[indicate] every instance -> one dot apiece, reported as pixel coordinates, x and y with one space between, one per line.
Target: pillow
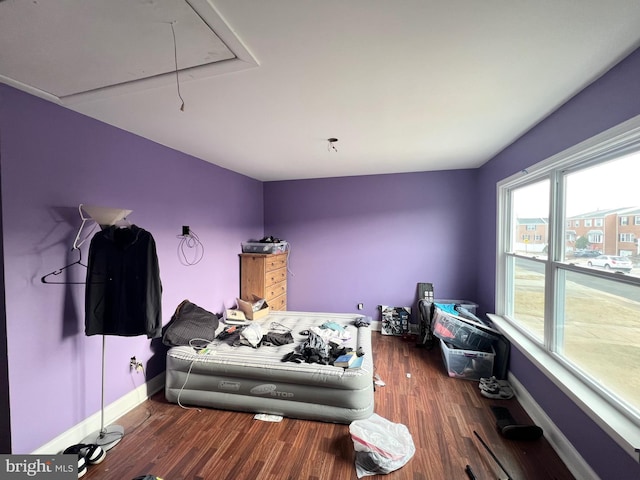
190 322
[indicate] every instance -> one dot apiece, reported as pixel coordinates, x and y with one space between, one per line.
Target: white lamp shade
105 216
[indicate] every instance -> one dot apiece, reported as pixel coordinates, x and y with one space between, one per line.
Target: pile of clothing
324 344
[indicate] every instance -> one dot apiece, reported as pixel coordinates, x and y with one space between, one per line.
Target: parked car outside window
611 262
587 253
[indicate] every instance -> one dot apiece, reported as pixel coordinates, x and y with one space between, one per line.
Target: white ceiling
405 85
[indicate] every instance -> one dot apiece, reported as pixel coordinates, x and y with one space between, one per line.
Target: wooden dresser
264 275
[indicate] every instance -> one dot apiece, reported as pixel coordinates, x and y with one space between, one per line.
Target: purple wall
53 159
607 102
372 239
357 239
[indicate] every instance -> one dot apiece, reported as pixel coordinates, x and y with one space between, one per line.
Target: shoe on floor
509 428
488 383
497 392
88 454
522 432
82 462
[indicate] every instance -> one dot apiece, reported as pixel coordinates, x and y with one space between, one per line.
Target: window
576 223
636 220
587 223
531 227
558 302
594 237
624 220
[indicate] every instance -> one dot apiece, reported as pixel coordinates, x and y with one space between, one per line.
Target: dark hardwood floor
440 412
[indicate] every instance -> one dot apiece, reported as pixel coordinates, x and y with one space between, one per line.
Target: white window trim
621 139
615 424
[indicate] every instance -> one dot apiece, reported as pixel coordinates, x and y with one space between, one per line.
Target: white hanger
77 245
103 216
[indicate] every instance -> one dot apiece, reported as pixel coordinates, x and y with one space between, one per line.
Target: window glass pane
599 332
600 201
528 296
530 207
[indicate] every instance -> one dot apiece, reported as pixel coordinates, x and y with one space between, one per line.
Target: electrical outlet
360 306
134 364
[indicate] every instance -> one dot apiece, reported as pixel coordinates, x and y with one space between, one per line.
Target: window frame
621 424
627 237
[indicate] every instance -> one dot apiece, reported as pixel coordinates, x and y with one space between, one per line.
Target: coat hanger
77 243
102 216
55 273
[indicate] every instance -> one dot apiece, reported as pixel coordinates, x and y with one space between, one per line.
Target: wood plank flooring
440 412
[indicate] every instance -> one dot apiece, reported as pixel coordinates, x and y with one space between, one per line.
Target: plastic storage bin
472 307
467 364
261 247
460 333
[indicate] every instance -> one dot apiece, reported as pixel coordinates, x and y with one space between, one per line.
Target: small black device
270 239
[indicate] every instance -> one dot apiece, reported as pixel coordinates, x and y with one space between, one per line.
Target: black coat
123 292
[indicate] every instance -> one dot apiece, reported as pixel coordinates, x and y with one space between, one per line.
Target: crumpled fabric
331 336
275 339
362 322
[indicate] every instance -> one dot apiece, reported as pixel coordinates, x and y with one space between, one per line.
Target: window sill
622 430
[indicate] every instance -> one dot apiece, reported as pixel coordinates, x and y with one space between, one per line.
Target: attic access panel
71 47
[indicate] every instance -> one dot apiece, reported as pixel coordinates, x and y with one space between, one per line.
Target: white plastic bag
381 446
251 335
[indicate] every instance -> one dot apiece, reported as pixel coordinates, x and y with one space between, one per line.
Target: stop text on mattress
271 390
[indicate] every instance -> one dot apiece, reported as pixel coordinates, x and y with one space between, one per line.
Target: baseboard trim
112 412
565 450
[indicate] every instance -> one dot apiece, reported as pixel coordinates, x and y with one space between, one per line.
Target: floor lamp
109 436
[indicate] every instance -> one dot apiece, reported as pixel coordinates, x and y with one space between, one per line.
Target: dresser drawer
276 276
275 262
278 303
275 290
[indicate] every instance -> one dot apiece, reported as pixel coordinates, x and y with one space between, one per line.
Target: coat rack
107 437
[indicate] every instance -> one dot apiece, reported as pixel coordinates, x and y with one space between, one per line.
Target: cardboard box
233 314
247 308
